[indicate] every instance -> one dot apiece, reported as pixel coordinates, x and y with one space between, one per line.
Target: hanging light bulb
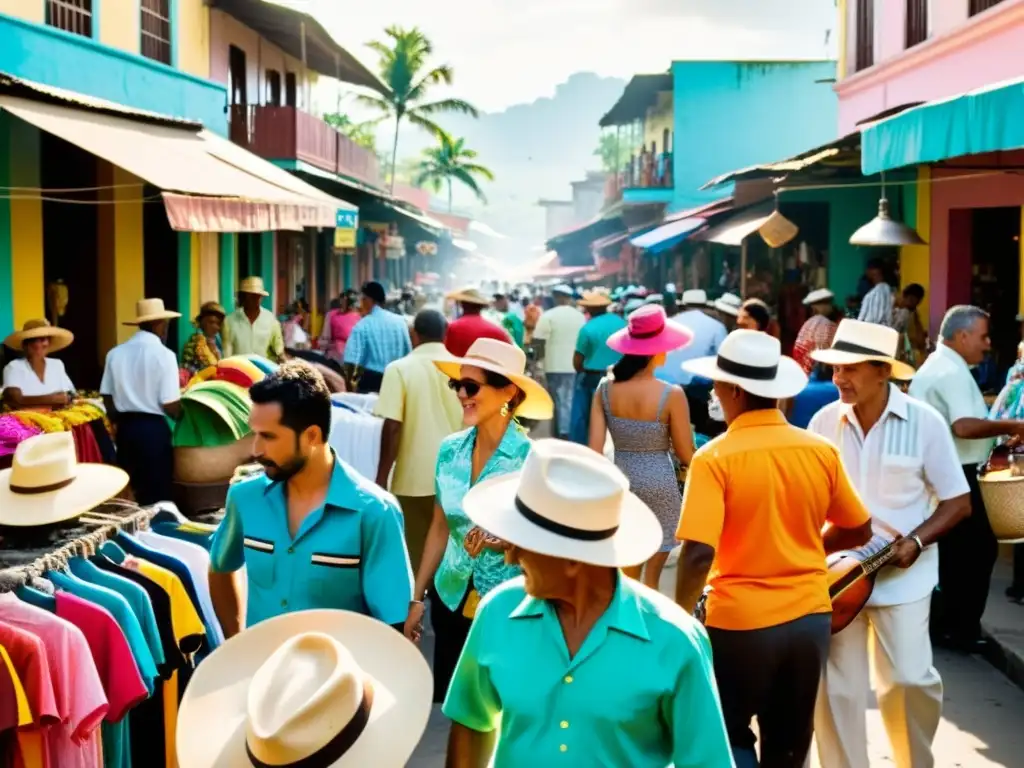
884 229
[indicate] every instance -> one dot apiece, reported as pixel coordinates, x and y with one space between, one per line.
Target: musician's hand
905 552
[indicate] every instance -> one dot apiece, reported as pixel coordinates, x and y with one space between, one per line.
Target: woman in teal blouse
462 563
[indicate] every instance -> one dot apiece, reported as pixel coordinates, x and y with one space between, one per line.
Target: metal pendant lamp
884 230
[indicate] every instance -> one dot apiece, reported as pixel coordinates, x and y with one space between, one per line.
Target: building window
156 30
291 90
865 53
74 16
917 22
977 6
273 88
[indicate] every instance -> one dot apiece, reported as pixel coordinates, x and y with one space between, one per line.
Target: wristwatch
917 540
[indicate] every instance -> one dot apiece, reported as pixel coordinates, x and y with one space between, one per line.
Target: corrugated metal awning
735 229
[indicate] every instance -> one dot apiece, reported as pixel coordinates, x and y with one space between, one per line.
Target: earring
504 410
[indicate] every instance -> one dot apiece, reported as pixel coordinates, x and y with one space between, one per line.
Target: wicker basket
1003 495
211 465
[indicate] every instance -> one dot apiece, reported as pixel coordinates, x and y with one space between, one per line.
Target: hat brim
788 382
900 370
167 315
491 505
93 485
812 299
673 336
537 403
255 293
729 309
60 338
594 303
211 730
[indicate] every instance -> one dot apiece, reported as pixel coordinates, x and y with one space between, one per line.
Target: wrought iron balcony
286 133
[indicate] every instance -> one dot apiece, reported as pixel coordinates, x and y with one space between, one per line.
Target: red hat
650 333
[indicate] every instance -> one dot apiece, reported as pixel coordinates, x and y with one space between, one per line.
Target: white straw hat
469 296
327 688
818 296
45 483
151 310
40 329
729 303
753 361
253 285
570 502
509 361
859 342
695 297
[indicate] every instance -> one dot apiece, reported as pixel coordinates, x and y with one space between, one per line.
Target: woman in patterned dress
462 563
203 347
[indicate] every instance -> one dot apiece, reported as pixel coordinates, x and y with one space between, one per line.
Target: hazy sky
511 51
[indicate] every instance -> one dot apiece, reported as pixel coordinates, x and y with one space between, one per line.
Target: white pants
907 685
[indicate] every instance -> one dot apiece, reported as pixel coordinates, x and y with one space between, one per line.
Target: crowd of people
676 422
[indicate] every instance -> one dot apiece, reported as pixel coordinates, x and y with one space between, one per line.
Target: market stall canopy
844 152
639 94
667 235
989 119
208 185
737 228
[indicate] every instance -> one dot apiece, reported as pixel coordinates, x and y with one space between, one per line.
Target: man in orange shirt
764 503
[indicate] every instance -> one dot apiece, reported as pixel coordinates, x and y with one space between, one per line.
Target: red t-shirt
467 329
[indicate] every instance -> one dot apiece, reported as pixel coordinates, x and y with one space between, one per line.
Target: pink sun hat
650 333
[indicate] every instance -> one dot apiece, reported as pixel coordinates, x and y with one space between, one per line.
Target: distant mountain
535 151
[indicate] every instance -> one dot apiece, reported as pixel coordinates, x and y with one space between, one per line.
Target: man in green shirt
592 360
576 664
509 321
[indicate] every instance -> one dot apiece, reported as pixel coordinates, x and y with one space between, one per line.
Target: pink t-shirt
81 702
118 671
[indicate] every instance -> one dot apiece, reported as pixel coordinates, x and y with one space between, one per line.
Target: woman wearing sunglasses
461 563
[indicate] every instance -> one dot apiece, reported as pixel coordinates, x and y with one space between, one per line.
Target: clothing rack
104 526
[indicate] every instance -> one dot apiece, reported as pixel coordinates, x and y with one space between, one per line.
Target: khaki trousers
892 642
418 511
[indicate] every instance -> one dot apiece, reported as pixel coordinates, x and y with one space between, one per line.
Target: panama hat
695 297
324 687
753 361
594 299
469 296
819 296
253 285
509 361
40 329
729 303
649 332
151 310
859 342
45 483
570 502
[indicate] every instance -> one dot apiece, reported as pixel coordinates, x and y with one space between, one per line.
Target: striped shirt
381 337
815 334
877 305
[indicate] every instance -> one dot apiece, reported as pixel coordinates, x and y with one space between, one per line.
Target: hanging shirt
20 375
141 375
28 657
355 438
263 337
14 709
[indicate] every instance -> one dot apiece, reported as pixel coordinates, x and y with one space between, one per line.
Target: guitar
851 577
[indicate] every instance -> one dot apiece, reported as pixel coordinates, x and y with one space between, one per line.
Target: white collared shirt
18 374
945 382
902 468
240 336
141 375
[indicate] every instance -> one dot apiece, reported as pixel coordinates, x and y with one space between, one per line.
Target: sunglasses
470 387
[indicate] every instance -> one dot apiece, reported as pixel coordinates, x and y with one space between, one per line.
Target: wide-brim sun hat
649 332
753 361
253 285
729 303
509 361
569 502
45 483
594 299
151 310
818 296
60 338
322 687
469 296
858 342
695 297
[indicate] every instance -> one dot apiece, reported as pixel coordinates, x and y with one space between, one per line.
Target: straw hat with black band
753 361
40 329
859 342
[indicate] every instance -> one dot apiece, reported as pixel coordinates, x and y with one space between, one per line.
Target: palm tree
451 161
404 68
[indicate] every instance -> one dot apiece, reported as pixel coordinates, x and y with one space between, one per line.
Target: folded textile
12 432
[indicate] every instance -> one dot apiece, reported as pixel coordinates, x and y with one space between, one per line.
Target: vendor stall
84 419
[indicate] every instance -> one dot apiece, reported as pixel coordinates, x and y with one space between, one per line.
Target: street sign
345 225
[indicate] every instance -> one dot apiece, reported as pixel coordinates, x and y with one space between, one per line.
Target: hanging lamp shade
884 230
777 230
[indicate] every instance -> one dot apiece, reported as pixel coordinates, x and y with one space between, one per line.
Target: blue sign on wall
347 219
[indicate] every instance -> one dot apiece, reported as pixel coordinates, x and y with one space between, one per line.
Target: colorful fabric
213 413
13 431
198 352
817 333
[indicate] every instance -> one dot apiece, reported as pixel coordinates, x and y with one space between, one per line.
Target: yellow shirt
31 750
416 394
760 495
24 710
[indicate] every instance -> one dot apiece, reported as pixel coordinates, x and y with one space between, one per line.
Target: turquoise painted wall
730 115
266 266
53 57
228 279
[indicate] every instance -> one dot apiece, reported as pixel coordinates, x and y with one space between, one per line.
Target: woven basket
211 464
778 230
1003 495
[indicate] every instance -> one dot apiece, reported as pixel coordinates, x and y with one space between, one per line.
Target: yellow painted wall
120 25
915 260
26 225
194 40
29 10
120 265
659 117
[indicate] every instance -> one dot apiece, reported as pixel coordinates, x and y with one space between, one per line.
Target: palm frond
376 102
423 122
447 105
470 182
479 170
437 76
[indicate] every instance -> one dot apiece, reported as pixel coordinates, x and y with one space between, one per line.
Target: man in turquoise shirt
311 531
575 664
592 360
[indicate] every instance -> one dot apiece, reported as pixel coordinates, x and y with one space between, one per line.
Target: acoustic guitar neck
877 552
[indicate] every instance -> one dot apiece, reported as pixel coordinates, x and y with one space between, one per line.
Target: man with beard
311 532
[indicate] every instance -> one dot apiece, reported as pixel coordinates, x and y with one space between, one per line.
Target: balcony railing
285 133
641 171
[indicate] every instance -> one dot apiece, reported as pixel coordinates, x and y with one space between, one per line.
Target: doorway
995 285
